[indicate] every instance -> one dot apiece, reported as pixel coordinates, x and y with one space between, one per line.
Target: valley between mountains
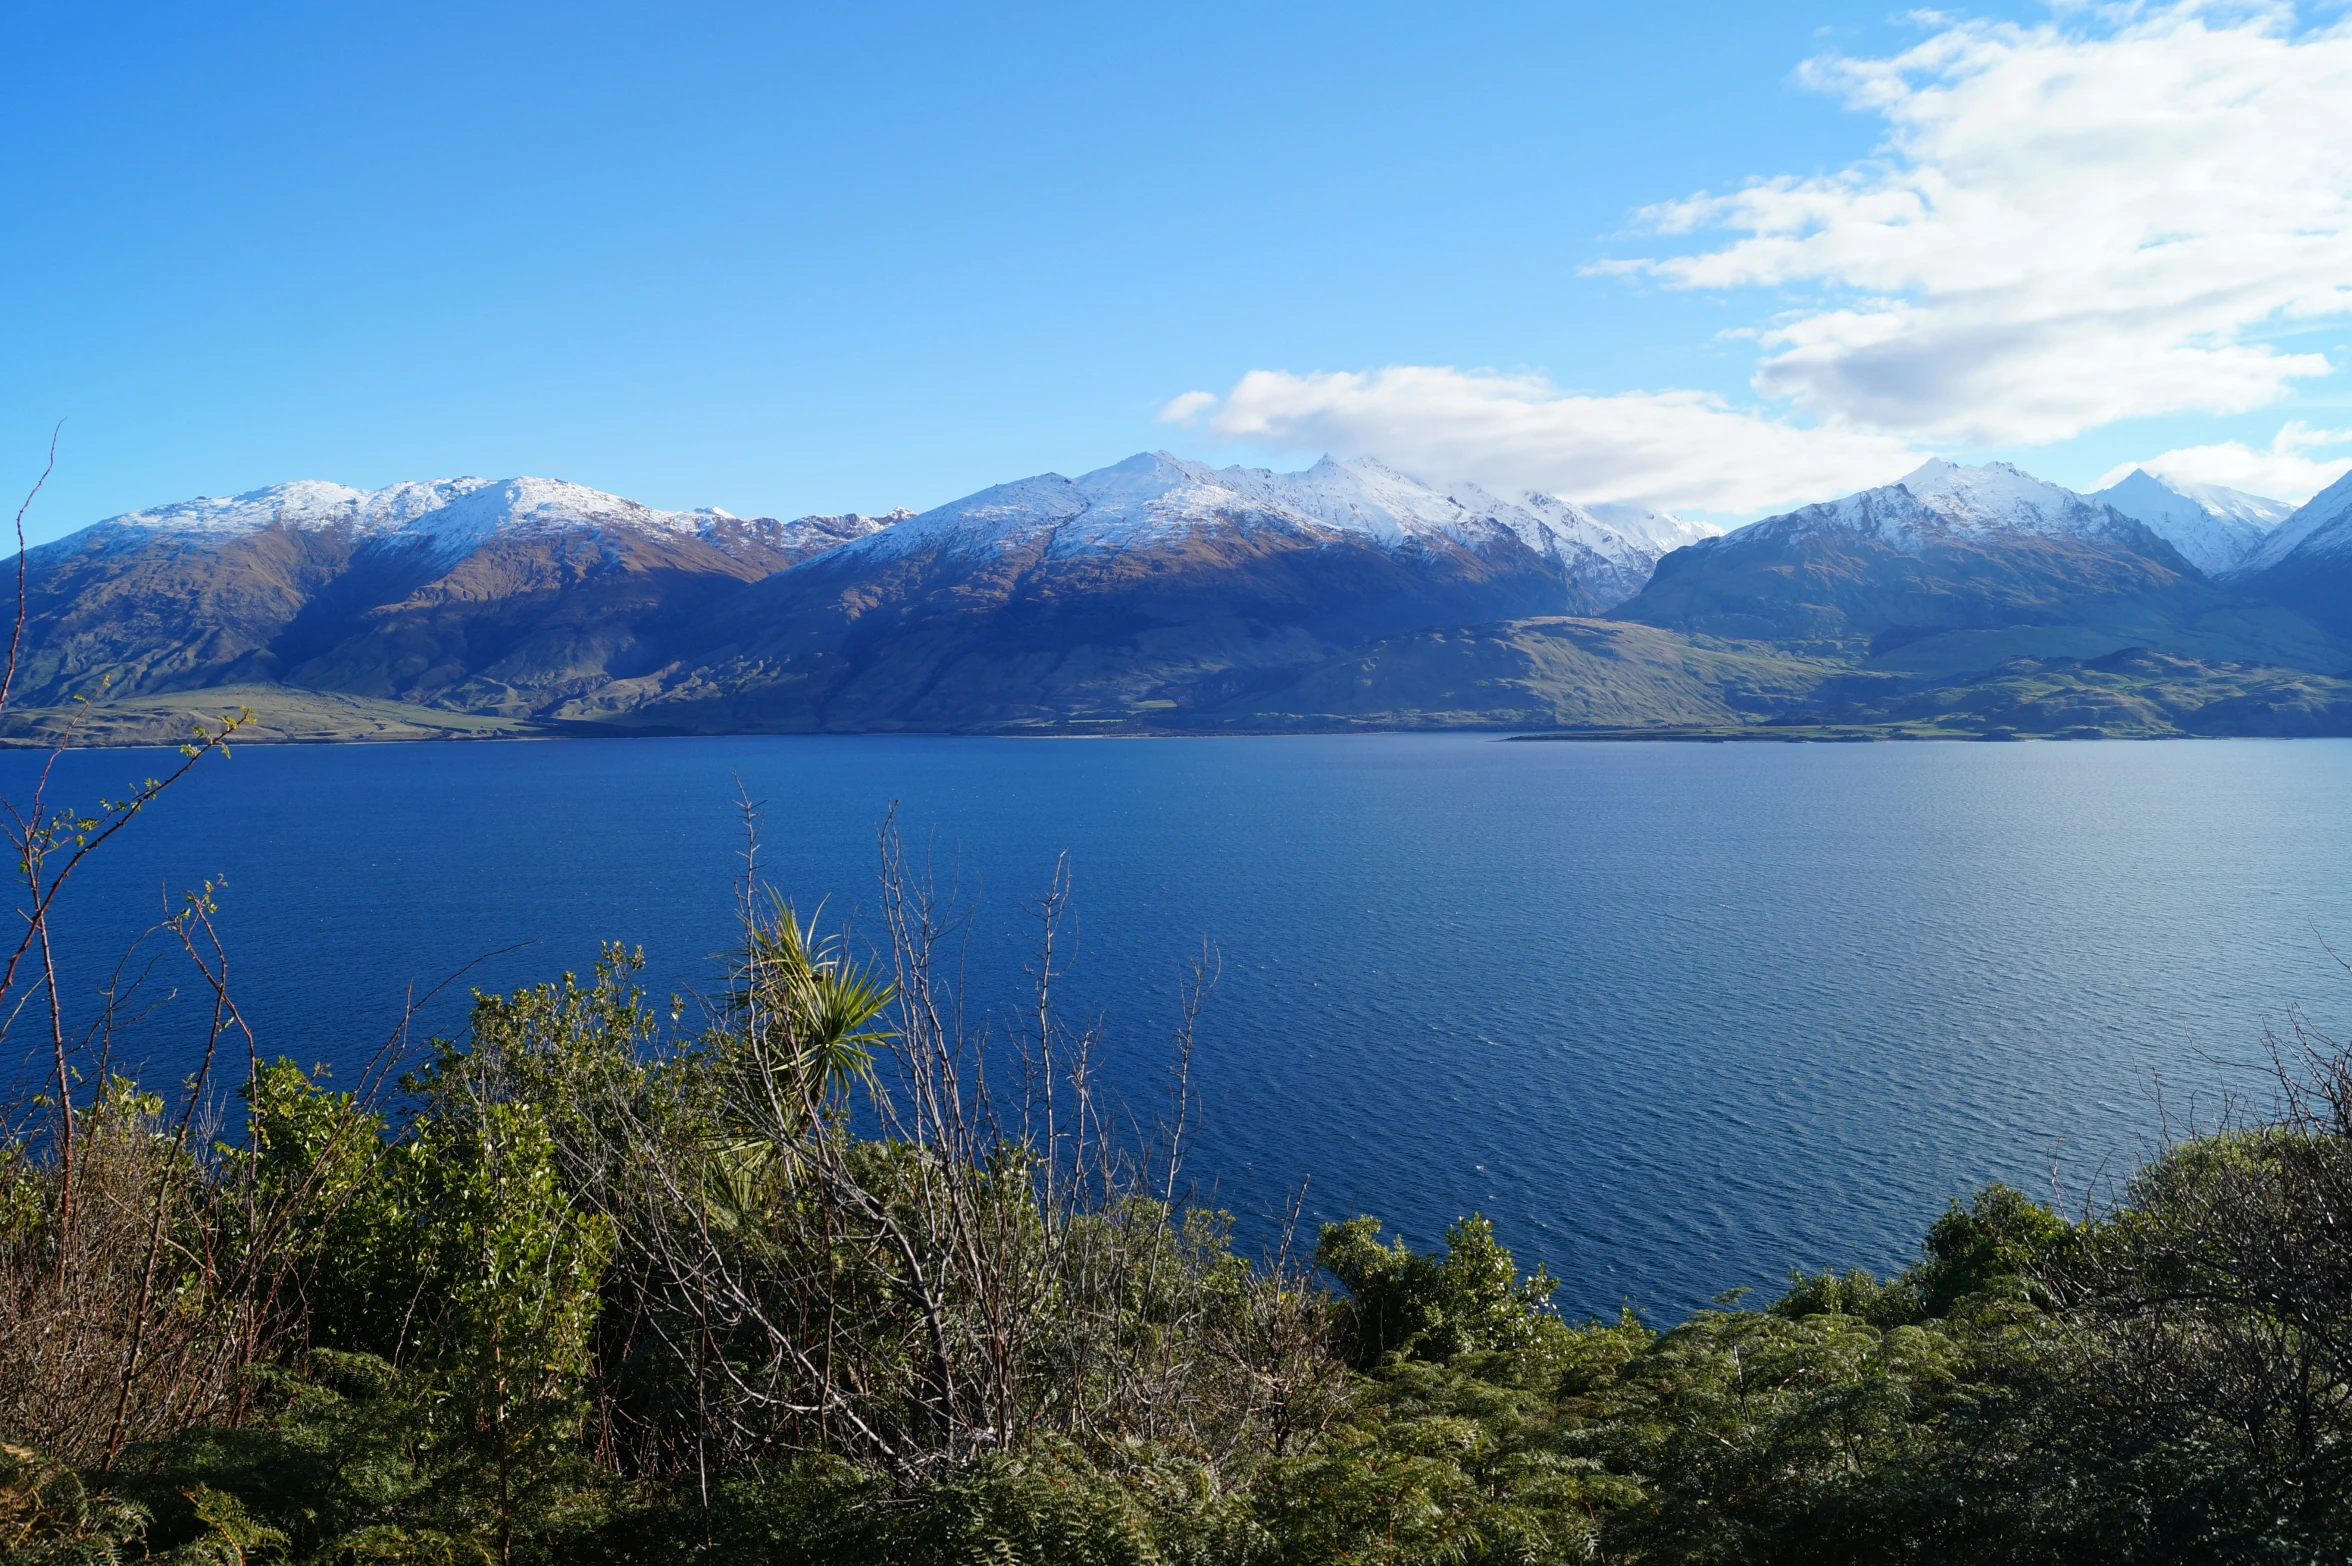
1164 596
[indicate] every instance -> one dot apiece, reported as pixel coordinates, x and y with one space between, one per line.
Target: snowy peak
2322 526
526 507
2222 501
1998 497
1627 541
1156 498
456 516
2216 529
1660 530
1603 554
306 504
1942 499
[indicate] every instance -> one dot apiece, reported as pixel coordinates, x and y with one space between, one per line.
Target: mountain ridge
2306 563
1153 592
1951 570
2215 529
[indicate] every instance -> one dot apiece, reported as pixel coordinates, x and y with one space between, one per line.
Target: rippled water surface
1675 1016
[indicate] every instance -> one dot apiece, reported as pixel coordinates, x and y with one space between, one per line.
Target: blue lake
1674 1016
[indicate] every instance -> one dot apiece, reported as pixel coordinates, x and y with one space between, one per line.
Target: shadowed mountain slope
2307 563
1149 584
1551 673
412 592
1957 569
1155 593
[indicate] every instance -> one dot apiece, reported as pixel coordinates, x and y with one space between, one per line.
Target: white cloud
2283 472
1514 432
2067 225
2121 213
1187 409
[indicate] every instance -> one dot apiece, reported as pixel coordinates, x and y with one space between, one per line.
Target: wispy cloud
2064 227
1188 408
2124 212
1520 432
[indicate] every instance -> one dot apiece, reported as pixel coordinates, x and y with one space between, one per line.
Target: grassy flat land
282 715
2134 694
1579 679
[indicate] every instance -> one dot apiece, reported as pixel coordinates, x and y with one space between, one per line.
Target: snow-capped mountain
493 587
1662 531
2216 529
1956 567
1942 500
1625 541
453 517
306 504
1156 500
1152 592
2306 563
2323 523
1998 497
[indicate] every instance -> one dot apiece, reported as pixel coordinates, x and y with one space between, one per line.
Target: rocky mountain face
1956 569
1153 585
536 598
468 593
1155 594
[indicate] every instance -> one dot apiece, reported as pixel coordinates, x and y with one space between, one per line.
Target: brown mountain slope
522 625
1550 673
869 638
512 621
174 615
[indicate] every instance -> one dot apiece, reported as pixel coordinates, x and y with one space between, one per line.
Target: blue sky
794 259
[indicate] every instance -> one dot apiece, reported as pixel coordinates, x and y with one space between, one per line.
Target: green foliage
1971 1256
1047 1506
227 1534
477 1359
318 1163
51 1516
1984 1248
502 1362
1405 1302
792 986
451 1282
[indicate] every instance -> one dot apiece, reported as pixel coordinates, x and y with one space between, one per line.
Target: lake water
1675 1017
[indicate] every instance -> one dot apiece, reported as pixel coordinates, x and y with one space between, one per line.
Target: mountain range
1164 595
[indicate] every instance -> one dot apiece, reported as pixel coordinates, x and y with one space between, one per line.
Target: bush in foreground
793 1287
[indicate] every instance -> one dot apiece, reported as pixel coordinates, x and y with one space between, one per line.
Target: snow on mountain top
1157 496
2214 528
2142 494
1662 529
1996 497
1945 498
1151 497
452 515
2236 504
306 503
2324 522
528 506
